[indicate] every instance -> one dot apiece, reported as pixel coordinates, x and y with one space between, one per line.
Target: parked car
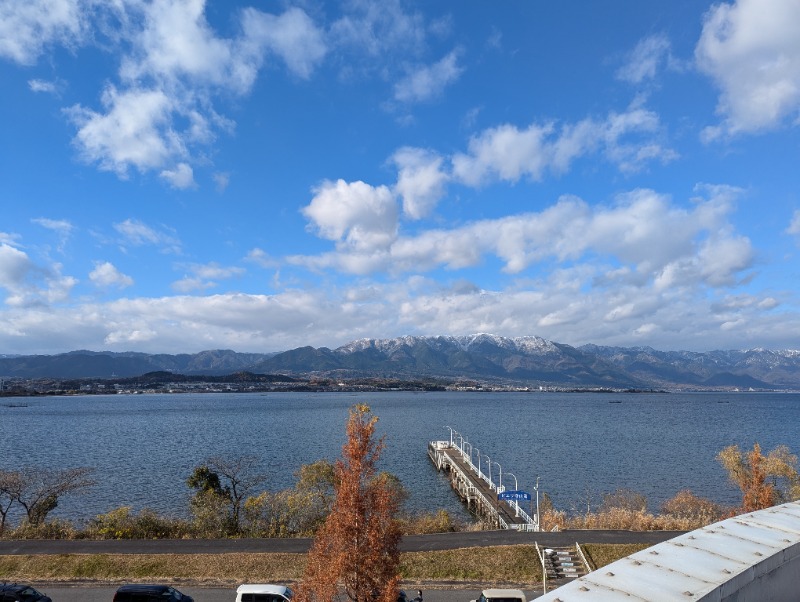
263 592
501 595
19 592
140 592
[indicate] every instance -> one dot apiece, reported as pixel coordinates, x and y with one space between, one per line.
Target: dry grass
492 565
195 568
603 554
626 520
498 564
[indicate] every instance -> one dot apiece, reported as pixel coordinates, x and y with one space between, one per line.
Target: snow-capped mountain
530 360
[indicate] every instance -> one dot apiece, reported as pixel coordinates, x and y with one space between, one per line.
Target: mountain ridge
528 360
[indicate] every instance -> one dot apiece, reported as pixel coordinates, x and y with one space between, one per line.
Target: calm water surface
143 447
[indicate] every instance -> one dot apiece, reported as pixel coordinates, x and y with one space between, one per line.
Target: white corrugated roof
713 561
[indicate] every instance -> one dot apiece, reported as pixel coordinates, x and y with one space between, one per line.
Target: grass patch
490 565
518 564
195 568
603 554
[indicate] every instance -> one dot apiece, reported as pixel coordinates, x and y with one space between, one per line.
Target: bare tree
230 480
358 544
38 490
9 485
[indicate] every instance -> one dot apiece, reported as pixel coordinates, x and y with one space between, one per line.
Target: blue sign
514 495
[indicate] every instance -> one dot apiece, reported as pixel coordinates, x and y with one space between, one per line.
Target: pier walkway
477 489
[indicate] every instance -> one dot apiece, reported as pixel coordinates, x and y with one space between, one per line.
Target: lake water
143 447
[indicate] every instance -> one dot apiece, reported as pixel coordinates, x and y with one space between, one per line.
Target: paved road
442 541
216 594
413 543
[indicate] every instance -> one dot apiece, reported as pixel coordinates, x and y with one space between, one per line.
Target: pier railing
465 484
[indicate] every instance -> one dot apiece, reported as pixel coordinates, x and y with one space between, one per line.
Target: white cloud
136 234
420 180
9 239
204 276
106 275
61 227
14 266
293 36
182 177
190 284
262 258
427 82
40 85
221 180
377 28
135 131
645 59
29 285
660 244
794 225
507 153
26 28
173 67
752 51
360 216
563 307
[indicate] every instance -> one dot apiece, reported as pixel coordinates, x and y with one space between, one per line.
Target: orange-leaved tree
764 480
357 546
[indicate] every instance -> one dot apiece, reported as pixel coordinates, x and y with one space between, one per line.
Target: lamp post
538 519
500 478
461 445
470 451
511 474
480 475
489 462
451 434
516 488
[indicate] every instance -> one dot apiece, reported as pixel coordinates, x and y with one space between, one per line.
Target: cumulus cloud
106 275
645 59
420 180
356 215
429 81
751 49
28 284
508 153
174 65
292 36
562 307
27 28
134 131
657 242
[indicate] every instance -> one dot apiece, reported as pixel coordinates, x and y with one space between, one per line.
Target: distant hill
106 364
528 360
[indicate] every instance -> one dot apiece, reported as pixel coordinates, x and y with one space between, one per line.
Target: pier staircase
562 565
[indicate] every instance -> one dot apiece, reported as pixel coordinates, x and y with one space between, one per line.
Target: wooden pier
476 489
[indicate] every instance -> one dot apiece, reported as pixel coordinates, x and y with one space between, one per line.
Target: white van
501 595
263 592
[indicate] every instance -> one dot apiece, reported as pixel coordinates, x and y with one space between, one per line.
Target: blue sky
180 175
